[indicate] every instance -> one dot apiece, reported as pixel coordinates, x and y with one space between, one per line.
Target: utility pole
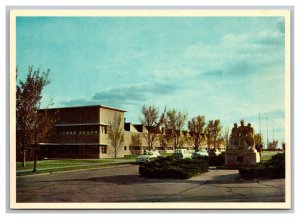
273 130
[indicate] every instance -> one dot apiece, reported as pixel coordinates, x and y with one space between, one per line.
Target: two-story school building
82 132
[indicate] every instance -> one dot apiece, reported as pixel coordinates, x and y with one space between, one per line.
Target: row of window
83 131
92 132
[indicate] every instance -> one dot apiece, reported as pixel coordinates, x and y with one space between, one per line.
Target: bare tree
28 118
151 119
174 124
116 135
196 130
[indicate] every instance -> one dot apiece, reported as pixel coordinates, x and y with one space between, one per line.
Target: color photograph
150 109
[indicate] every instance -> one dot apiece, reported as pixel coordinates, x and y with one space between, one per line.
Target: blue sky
227 68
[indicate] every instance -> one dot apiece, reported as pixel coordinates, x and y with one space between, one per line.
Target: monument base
241 158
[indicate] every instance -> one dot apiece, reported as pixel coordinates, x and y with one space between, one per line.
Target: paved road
124 184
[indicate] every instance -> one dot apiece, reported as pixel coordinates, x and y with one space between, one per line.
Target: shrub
277 160
213 160
171 167
273 168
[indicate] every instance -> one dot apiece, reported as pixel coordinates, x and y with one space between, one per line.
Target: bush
278 160
213 160
171 167
273 168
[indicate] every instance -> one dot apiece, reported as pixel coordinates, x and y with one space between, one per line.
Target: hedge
273 168
171 167
213 160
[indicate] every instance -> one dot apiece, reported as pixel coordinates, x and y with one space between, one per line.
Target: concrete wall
107 117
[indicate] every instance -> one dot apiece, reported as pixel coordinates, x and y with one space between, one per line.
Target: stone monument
241 149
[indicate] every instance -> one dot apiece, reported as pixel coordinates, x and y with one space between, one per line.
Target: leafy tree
116 135
45 121
31 124
258 139
174 123
213 134
196 130
151 119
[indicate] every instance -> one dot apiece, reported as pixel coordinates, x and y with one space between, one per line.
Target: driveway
124 184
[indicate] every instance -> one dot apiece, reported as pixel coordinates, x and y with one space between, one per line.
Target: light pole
273 129
259 125
267 132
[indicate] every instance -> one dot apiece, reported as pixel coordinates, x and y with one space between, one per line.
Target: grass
267 155
51 166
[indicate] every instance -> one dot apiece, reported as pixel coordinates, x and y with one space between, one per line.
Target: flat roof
89 106
81 124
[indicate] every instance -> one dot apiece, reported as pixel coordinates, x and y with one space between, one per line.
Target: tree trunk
35 152
23 150
23 158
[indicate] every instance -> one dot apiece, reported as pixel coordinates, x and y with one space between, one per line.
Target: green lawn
50 166
267 155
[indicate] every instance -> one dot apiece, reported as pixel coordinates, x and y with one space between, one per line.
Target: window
103 149
125 148
134 148
103 129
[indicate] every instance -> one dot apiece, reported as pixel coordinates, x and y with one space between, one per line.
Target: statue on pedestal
241 149
242 137
234 137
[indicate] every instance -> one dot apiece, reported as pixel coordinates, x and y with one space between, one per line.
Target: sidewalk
124 184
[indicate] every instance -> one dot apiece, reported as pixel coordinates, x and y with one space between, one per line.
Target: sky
227 68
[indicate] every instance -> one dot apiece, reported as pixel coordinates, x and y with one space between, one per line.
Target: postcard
150 109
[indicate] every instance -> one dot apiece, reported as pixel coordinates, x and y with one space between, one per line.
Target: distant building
81 132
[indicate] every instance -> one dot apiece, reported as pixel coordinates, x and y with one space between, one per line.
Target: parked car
182 154
212 152
200 152
147 156
218 152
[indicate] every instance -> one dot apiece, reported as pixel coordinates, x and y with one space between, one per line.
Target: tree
273 145
258 139
196 130
283 146
174 124
116 135
30 123
45 121
136 141
152 121
226 137
213 134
